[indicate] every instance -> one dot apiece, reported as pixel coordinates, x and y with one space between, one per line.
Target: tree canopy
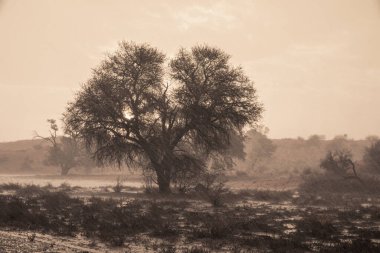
135 109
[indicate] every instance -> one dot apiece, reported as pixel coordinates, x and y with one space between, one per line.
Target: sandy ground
95 181
86 181
14 241
19 242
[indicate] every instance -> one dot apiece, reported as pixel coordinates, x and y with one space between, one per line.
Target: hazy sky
315 64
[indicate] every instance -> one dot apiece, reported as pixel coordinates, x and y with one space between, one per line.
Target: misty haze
190 126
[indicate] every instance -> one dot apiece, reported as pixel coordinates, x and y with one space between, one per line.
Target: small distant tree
65 151
259 147
340 163
372 157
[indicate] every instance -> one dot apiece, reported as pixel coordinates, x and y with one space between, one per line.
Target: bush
10 186
118 187
358 245
14 212
213 188
319 228
30 190
196 250
280 245
338 162
214 227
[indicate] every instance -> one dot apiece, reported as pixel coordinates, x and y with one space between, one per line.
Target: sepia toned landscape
189 127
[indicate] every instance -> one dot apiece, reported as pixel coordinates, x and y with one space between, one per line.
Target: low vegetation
254 221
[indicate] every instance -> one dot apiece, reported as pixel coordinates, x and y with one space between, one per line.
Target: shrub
109 234
281 245
314 227
118 187
167 249
215 227
196 250
10 186
30 190
213 188
340 162
358 245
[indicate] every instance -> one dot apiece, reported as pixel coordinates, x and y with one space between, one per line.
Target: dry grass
256 220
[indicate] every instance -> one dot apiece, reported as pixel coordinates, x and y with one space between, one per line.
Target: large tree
135 109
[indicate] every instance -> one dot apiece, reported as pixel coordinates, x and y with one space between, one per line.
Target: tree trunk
163 182
64 171
354 170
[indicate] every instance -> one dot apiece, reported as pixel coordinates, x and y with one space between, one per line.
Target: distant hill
290 156
29 157
24 156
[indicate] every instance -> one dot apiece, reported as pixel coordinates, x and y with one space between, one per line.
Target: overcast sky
315 64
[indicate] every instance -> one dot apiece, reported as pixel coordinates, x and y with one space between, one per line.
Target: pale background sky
315 64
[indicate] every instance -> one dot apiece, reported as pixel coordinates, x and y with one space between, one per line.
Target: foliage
259 147
372 157
65 151
187 175
339 162
128 115
212 184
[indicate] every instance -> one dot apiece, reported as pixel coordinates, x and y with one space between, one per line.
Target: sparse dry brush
238 226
